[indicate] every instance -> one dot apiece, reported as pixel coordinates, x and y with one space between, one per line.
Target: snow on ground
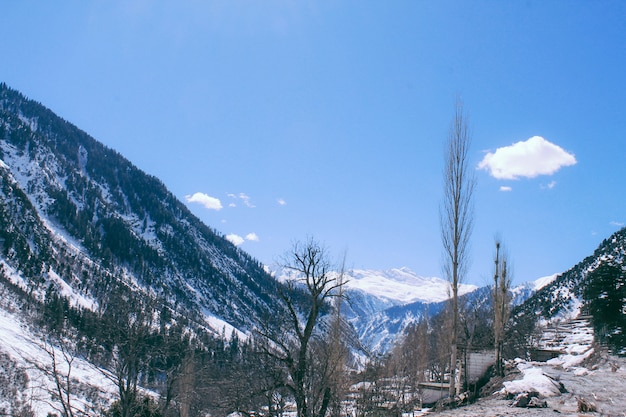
602 383
533 380
28 352
585 371
76 298
221 327
543 281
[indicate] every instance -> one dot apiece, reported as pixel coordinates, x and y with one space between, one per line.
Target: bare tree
186 383
501 301
59 372
337 351
456 217
128 325
302 344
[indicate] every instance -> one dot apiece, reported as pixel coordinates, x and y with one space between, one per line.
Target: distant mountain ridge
382 304
401 285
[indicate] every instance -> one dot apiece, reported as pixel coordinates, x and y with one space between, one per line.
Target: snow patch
220 326
75 298
543 281
533 380
29 354
570 360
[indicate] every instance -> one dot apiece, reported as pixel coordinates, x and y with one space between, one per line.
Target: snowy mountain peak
401 285
543 281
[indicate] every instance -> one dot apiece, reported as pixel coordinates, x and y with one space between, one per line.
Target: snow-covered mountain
65 196
381 304
596 286
524 291
90 245
401 286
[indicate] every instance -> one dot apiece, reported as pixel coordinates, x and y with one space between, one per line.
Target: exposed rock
537 403
586 406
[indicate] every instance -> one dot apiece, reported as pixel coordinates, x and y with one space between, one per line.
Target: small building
477 363
432 392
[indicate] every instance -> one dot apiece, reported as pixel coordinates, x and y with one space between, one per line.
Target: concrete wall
478 363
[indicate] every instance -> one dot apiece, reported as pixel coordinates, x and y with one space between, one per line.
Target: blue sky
280 119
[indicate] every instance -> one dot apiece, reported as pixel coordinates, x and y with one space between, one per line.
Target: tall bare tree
456 217
501 300
301 344
337 351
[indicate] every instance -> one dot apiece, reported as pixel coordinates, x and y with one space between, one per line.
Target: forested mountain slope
77 217
596 286
100 265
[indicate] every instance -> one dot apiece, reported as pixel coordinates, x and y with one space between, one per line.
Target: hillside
78 217
95 253
595 286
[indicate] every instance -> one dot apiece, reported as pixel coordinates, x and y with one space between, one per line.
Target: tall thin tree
501 301
456 218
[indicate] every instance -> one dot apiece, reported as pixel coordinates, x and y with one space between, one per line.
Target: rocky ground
583 376
600 387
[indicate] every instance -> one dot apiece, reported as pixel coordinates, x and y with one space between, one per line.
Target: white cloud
246 200
506 188
281 202
529 159
206 200
243 197
618 224
235 239
550 185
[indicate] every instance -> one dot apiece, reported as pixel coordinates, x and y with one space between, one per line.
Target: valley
118 301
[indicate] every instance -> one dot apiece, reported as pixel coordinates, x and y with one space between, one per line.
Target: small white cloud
618 224
506 188
529 159
246 200
235 239
206 200
281 202
548 186
252 237
241 196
